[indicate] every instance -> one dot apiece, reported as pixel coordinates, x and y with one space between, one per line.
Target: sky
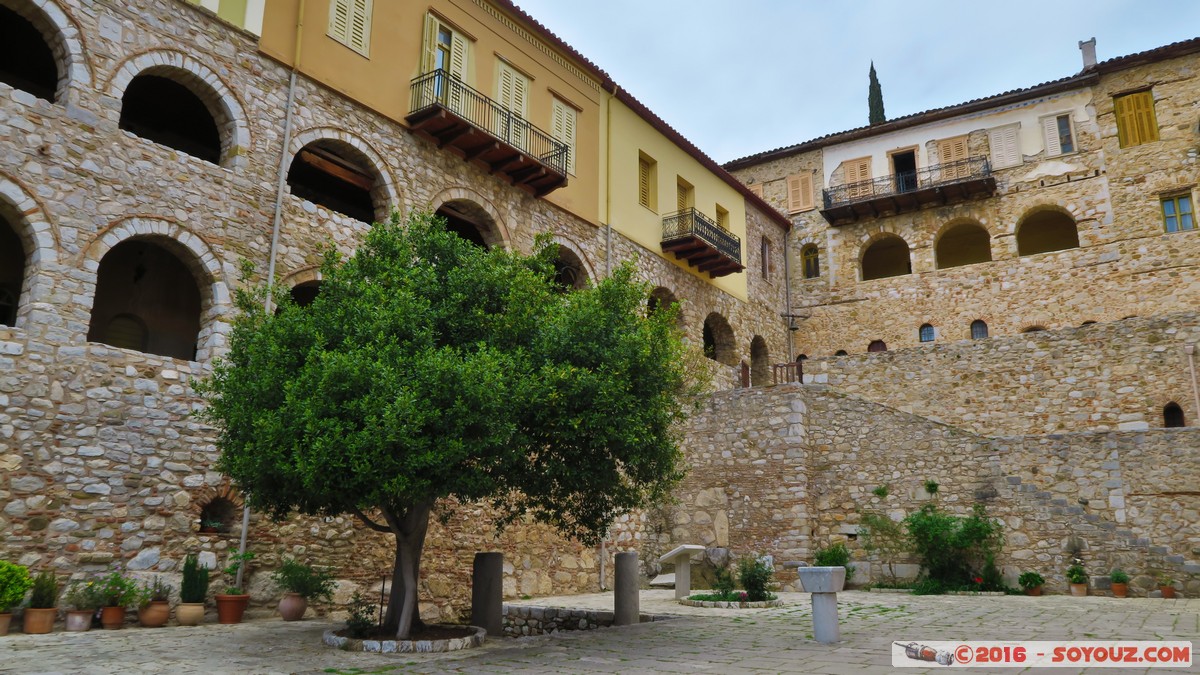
745 76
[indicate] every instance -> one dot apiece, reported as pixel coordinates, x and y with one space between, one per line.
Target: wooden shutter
512 92
857 171
1006 150
458 56
683 195
951 150
562 128
429 53
799 192
757 189
1050 132
339 20
644 182
1136 122
359 34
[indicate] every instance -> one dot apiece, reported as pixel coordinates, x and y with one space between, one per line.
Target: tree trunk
402 613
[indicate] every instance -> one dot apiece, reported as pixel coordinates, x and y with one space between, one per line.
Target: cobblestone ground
775 640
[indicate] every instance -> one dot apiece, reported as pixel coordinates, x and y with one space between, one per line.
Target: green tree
875 99
428 368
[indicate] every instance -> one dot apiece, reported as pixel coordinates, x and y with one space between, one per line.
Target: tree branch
368 522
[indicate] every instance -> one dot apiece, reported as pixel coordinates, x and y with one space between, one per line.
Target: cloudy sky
738 77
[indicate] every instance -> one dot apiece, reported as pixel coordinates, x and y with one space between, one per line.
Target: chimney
1088 47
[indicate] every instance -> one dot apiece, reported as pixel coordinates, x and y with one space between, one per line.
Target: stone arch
810 261
384 192
196 256
222 494
25 219
1046 228
760 362
962 242
218 98
574 264
63 38
663 297
475 210
886 255
719 342
303 284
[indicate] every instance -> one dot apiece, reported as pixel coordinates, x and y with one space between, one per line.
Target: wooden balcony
938 185
480 130
691 236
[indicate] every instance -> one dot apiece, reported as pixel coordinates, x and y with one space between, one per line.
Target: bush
194 587
1029 580
835 555
297 577
723 582
951 546
362 616
86 595
992 580
1119 577
119 591
755 577
45 591
1076 574
14 582
929 586
886 537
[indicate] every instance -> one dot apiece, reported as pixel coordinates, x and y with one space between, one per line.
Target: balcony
480 130
691 236
938 185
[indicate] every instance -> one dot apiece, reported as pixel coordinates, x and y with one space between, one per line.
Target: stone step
663 581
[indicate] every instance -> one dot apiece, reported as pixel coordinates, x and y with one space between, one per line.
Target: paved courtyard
699 641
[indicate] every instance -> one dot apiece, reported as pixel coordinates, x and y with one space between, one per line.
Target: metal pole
1195 389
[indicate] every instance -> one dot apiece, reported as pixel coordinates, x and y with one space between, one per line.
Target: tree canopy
429 368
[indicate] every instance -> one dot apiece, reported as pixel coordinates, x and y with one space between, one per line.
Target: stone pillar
487 593
626 593
823 583
683 576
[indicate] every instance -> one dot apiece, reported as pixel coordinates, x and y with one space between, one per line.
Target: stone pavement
775 640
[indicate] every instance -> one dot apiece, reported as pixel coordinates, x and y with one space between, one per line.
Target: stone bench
681 557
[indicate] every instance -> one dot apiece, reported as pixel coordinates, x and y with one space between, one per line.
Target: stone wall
520 620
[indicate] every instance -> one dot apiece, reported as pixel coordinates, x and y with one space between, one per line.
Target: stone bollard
625 590
823 583
487 593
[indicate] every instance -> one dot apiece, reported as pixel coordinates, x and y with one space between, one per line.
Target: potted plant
86 599
192 592
40 615
301 584
1166 585
209 526
14 582
1120 583
119 593
1032 582
231 604
1078 578
154 608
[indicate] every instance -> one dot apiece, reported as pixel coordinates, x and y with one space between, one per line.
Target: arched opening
811 259
336 175
26 60
303 294
146 295
801 357
1173 415
760 362
1046 230
877 346
979 329
1087 323
963 244
926 333
163 110
471 222
719 344
841 352
569 274
1033 329
886 257
12 271
663 298
218 515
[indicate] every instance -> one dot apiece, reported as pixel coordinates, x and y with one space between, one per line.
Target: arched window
1045 231
979 329
801 357
877 346
811 259
146 299
26 61
163 110
219 515
12 272
1033 329
1086 323
840 352
569 274
1173 415
926 333
338 176
963 244
760 362
471 222
886 257
719 344
303 294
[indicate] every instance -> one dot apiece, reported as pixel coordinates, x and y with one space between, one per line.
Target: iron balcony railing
440 88
690 222
972 168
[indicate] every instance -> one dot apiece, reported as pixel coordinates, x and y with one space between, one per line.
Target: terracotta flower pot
1034 591
1120 590
39 621
112 618
5 621
1167 591
79 620
292 606
1079 590
230 608
190 613
155 614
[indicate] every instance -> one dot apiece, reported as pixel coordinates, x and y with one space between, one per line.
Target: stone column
625 590
487 593
823 583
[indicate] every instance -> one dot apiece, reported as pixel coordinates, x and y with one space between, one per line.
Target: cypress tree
875 99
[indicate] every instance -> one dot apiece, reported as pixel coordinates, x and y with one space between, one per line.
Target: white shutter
562 127
512 93
1005 146
359 36
429 55
339 20
458 56
1050 132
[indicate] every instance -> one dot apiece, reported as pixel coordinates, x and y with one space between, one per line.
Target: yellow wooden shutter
800 192
951 150
562 127
644 182
429 53
684 195
857 171
1136 122
339 20
757 189
359 33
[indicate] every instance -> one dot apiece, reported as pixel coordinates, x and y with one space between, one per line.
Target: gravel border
731 604
406 646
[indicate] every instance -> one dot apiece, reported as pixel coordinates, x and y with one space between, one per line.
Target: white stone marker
681 557
823 583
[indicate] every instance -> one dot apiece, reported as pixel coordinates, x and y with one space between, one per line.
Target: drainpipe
276 221
612 96
1189 349
787 290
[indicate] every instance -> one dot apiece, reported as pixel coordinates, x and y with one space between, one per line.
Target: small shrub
723 582
755 577
362 616
45 591
296 577
881 491
932 487
990 578
236 562
86 595
1029 580
158 591
835 555
194 587
928 586
1076 574
14 582
951 546
1119 576
119 591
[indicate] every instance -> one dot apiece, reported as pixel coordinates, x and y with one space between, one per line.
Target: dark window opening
965 244
219 515
760 362
904 165
12 272
26 61
802 357
887 257
568 271
926 333
1173 415
812 261
1046 231
1086 323
474 227
330 176
877 346
1033 329
841 352
166 112
719 344
979 329
303 294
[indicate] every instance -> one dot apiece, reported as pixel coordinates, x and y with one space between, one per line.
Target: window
28 62
350 24
811 260
757 189
1003 142
1059 135
765 255
1136 123
647 182
445 49
685 194
952 156
512 93
840 352
1173 415
963 244
886 257
926 333
856 173
722 218
165 111
1177 213
1046 230
799 192
979 329
562 128
877 346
